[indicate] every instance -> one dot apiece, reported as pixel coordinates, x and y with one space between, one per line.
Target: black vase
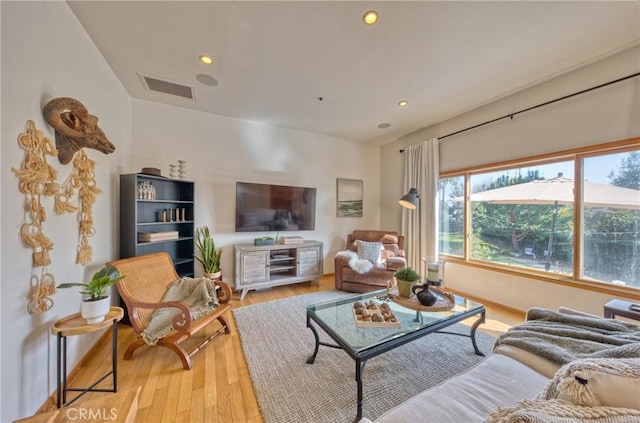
425 297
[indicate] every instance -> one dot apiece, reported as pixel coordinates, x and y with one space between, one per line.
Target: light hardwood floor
218 388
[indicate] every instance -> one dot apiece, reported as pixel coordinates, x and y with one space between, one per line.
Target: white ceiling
273 60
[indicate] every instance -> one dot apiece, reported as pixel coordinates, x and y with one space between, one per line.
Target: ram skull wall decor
75 128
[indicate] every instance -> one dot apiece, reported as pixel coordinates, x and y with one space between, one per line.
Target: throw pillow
369 251
607 382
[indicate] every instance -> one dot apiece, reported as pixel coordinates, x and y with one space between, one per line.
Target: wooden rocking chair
145 281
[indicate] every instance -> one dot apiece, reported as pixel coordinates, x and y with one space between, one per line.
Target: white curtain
421 171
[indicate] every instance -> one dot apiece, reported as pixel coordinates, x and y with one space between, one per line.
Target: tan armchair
145 281
392 259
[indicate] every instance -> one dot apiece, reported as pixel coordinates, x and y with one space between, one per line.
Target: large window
611 241
533 215
451 216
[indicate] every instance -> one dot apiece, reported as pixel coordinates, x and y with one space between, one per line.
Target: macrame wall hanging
37 179
75 129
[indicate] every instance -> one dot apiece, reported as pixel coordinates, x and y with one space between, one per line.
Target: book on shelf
157 236
291 240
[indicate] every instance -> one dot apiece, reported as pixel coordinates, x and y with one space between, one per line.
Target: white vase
94 311
214 276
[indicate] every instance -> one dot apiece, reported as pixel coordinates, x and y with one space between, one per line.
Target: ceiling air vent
159 85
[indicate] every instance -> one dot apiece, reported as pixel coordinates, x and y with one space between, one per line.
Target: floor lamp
411 200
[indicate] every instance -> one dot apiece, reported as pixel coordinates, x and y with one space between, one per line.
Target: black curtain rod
511 115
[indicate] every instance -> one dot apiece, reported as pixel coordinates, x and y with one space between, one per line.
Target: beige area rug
277 343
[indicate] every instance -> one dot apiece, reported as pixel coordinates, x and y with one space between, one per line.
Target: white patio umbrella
560 190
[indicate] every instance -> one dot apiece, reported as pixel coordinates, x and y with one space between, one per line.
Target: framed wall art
349 198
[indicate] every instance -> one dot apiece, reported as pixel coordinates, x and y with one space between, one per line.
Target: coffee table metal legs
312 357
478 322
359 370
472 334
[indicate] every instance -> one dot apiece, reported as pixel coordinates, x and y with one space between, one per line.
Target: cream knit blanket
199 294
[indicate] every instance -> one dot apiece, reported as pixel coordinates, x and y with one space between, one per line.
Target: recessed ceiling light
403 103
384 125
370 17
207 60
207 79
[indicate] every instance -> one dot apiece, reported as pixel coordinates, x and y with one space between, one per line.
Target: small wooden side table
76 325
620 308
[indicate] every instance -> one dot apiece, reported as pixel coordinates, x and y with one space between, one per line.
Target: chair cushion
389 239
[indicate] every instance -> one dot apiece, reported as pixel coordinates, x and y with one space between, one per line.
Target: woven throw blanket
356 263
556 411
199 294
562 338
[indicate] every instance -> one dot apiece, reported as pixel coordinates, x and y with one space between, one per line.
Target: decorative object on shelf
405 279
75 128
153 171
97 303
161 216
264 240
286 240
173 171
349 198
425 297
209 254
158 236
146 191
182 169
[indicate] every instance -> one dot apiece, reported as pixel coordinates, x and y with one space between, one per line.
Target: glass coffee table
336 318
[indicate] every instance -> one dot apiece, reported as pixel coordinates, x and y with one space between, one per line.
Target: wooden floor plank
218 388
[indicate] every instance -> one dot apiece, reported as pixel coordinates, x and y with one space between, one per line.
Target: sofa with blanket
369 260
556 367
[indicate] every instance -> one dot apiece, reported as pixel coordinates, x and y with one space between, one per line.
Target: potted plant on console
209 254
97 303
405 278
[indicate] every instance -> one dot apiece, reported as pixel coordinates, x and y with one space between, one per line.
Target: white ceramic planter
215 276
94 311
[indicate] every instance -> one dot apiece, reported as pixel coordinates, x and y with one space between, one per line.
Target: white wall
47 54
220 151
608 114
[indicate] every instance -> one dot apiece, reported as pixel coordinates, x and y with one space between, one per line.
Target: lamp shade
411 199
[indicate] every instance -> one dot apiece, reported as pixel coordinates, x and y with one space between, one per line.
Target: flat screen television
274 208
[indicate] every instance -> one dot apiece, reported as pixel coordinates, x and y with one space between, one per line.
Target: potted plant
263 240
96 304
405 278
209 254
